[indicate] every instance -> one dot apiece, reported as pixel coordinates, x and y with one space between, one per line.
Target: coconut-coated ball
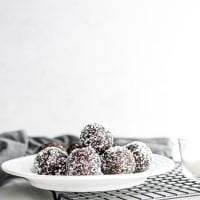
142 154
118 160
83 161
50 144
73 146
50 161
96 136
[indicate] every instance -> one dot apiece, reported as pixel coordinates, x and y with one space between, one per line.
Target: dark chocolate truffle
50 161
96 136
73 146
83 161
51 144
142 155
118 160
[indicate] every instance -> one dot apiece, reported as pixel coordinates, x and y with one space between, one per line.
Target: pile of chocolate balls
94 154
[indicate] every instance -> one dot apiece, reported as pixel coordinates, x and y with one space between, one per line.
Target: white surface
22 167
20 189
133 65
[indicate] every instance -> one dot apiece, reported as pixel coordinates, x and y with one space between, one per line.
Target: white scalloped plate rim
22 167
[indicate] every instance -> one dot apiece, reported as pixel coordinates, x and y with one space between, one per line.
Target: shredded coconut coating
50 161
142 155
96 136
83 161
118 160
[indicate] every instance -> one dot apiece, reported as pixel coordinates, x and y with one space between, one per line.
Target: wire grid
171 185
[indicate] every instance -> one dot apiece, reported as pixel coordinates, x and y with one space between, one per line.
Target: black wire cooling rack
171 185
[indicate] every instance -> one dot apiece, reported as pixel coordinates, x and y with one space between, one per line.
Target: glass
190 158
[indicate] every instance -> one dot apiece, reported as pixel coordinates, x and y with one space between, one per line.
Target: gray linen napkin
17 143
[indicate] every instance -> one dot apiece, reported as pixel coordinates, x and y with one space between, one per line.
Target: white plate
22 167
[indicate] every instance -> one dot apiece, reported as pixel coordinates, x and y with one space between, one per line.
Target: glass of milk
190 158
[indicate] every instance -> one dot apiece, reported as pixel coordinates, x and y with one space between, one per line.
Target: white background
131 65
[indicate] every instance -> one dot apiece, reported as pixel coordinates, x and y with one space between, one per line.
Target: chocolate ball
118 160
50 144
50 161
142 155
73 146
83 161
96 136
